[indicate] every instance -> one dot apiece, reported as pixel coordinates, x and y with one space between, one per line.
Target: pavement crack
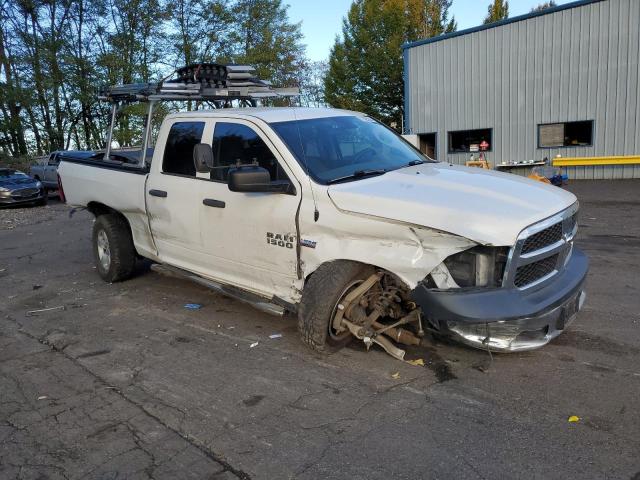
199 445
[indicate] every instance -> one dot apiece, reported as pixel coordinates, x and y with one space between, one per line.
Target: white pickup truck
330 214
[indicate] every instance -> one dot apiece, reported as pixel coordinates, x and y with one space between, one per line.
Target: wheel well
307 277
98 209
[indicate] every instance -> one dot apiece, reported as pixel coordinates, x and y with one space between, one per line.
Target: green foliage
264 38
366 65
544 6
498 10
22 162
55 54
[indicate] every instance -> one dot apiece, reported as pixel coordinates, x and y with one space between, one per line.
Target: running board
256 301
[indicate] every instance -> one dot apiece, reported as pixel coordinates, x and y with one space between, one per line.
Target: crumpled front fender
408 251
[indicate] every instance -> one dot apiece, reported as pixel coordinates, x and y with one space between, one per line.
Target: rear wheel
113 250
322 294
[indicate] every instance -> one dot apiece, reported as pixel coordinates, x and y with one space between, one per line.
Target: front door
250 239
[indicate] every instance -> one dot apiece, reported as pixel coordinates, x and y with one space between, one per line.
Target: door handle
210 202
158 193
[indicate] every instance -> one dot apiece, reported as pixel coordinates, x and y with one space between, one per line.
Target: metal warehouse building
561 82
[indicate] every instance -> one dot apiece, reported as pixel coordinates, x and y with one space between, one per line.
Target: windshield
346 148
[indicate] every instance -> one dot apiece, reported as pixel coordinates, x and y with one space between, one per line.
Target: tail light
61 191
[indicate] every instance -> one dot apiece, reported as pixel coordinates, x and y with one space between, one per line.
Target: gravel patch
14 217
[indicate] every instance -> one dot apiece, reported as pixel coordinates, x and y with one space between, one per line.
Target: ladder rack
200 82
217 84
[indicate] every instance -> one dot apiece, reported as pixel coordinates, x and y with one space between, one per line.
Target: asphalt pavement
122 381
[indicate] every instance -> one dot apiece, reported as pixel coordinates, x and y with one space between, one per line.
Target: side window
178 152
234 143
54 159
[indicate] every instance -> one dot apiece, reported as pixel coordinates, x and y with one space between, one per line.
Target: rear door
173 197
250 239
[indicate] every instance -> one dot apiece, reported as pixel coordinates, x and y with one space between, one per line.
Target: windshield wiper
358 174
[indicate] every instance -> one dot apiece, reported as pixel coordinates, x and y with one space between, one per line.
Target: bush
22 163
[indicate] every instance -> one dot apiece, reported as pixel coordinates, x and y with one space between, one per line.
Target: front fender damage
380 310
409 252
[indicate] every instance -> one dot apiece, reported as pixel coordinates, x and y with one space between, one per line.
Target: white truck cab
332 215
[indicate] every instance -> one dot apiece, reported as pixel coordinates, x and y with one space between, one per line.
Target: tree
544 6
498 10
366 65
198 30
263 37
312 84
55 54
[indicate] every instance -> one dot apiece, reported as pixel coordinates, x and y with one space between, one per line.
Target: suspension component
366 309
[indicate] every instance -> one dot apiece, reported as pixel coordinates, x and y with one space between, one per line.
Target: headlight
3 189
478 266
38 184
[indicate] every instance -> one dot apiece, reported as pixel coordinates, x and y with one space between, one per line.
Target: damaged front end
509 299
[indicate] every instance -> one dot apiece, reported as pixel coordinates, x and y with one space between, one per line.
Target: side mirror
252 178
203 158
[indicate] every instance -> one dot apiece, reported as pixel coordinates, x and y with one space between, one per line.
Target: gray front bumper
508 319
6 198
522 334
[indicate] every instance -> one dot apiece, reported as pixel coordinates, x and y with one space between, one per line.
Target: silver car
19 188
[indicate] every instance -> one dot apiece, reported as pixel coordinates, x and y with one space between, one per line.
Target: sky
322 19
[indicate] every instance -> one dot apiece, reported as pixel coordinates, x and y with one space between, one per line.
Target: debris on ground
395 375
44 310
192 306
254 345
573 419
417 363
275 335
42 397
37 287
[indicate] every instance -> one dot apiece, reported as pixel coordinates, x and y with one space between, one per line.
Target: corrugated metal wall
579 63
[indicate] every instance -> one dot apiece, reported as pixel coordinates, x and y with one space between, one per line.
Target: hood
9 180
485 206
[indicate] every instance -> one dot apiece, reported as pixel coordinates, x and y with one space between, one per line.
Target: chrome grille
541 250
25 192
544 238
532 272
570 224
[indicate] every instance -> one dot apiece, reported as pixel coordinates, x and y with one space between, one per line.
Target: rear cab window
178 151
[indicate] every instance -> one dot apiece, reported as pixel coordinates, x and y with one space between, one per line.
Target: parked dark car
19 188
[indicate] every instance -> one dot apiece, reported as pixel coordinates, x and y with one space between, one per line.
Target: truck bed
88 181
124 160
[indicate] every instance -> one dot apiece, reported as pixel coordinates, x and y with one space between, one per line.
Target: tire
113 250
44 200
320 297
